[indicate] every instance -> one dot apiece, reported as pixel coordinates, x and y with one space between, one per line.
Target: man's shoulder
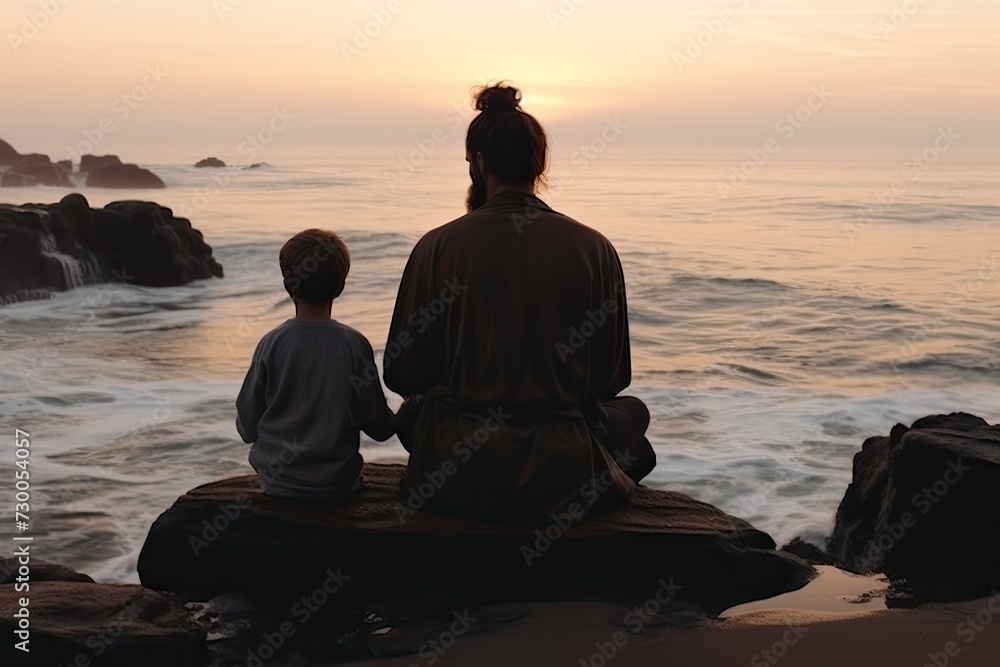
535 209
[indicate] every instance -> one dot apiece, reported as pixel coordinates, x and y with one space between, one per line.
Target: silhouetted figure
512 321
312 386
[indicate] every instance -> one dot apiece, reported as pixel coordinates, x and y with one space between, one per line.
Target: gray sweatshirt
312 386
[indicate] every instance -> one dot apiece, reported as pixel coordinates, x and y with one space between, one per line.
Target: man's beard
477 194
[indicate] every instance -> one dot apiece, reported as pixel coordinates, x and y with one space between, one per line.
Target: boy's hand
406 417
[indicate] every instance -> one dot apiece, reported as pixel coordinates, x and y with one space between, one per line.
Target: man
512 322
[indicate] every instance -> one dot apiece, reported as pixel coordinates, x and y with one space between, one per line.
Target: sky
674 73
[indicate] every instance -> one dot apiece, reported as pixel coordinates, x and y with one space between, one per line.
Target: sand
859 632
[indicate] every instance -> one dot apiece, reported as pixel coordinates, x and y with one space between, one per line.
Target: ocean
780 314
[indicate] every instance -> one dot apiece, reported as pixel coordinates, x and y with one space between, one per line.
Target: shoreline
591 634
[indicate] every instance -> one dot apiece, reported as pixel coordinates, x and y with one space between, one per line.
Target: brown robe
512 320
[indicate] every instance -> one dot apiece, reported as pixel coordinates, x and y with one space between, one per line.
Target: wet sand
835 625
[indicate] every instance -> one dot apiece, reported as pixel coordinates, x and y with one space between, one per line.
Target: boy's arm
251 401
370 411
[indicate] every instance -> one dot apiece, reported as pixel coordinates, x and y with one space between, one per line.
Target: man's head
505 142
314 264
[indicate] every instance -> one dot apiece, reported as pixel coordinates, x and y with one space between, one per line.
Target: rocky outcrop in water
221 537
123 176
924 508
33 170
90 162
8 155
55 247
210 162
102 171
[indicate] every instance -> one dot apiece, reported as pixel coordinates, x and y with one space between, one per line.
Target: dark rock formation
257 165
810 553
106 624
924 507
90 162
36 170
229 536
53 247
123 176
8 155
41 570
15 180
210 162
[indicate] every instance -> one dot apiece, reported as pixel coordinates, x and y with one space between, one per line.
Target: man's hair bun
498 97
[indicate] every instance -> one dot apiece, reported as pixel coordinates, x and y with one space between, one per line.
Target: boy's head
314 264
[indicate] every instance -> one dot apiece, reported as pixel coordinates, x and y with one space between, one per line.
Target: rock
810 553
106 624
35 157
123 176
229 537
213 162
92 162
67 165
8 155
41 570
36 170
257 165
11 179
60 246
145 241
924 507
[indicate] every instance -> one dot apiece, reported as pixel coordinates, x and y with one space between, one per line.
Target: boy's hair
314 264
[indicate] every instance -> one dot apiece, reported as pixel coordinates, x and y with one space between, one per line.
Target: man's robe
512 321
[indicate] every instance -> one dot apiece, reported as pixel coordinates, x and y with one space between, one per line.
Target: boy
306 395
